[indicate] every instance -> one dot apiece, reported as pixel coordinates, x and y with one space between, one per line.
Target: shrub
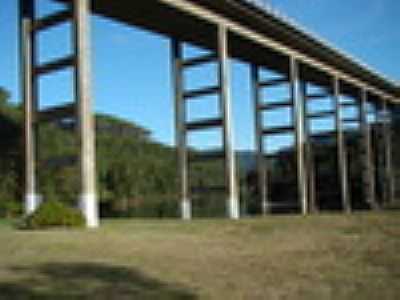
10 209
53 214
156 207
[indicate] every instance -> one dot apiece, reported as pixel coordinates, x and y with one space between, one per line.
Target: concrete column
86 128
29 92
308 154
387 135
261 163
298 117
233 207
379 157
368 172
180 135
341 149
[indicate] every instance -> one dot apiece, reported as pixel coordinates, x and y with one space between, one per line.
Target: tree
4 96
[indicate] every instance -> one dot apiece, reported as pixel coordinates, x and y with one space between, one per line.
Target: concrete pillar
29 93
387 135
368 172
379 157
180 135
261 163
298 118
341 149
233 207
308 154
86 128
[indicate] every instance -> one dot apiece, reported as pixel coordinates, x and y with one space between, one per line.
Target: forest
137 176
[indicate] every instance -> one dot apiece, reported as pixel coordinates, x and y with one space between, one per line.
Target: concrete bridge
228 29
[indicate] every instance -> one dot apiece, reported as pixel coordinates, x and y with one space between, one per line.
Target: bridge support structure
78 12
368 172
332 94
260 43
262 158
223 121
311 116
305 158
29 94
342 155
263 131
389 183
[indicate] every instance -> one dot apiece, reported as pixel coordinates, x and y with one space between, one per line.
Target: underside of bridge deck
269 38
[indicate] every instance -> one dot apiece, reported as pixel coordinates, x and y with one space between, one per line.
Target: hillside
136 175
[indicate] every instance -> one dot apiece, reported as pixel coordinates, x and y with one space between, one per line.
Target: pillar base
265 208
90 210
347 208
32 202
233 208
186 209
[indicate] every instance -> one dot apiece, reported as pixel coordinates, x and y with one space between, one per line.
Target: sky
131 67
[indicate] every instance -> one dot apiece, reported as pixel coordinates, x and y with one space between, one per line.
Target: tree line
137 176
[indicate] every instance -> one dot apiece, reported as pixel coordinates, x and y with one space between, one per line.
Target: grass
290 257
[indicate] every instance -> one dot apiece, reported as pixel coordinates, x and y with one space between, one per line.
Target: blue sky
131 67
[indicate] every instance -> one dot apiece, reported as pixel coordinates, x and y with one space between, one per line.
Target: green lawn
291 257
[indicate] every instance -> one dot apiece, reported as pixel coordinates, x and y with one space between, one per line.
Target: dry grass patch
291 257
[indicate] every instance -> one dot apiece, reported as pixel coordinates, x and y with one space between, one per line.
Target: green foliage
4 96
11 157
10 209
156 206
53 214
136 176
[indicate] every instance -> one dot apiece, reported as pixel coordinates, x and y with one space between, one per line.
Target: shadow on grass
86 281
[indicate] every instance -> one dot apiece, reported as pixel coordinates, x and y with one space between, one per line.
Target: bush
53 214
10 209
155 208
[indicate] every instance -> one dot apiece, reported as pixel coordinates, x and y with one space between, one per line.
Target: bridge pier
295 103
180 135
332 93
300 137
86 122
232 200
31 71
29 94
343 170
387 119
368 174
262 163
224 121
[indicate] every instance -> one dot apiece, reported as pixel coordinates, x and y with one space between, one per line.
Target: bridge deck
194 21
